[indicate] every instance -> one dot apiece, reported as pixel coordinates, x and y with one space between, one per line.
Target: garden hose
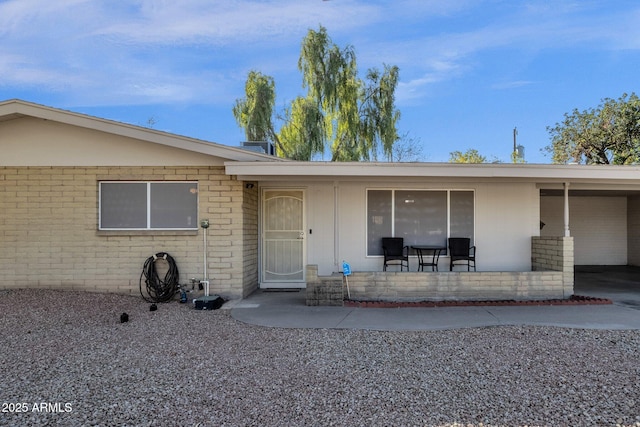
159 290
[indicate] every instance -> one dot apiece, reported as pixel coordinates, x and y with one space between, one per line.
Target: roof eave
17 108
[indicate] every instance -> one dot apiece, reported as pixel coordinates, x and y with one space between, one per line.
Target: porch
551 277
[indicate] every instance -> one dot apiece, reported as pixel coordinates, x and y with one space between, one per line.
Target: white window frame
393 211
148 206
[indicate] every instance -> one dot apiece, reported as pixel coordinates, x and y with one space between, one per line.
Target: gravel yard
178 366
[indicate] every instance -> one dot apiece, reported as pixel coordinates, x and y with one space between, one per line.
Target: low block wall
325 291
456 286
551 278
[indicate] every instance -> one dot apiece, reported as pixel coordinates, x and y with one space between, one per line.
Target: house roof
15 108
545 175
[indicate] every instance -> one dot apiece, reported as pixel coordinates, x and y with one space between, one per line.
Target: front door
283 236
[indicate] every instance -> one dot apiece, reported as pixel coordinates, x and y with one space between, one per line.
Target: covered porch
551 277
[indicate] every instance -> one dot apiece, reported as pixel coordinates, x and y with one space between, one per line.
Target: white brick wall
633 230
598 225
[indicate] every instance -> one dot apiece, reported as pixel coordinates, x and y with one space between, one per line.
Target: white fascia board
16 108
526 172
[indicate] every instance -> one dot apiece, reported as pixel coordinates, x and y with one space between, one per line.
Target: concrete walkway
288 310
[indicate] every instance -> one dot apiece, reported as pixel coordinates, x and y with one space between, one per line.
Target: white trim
549 174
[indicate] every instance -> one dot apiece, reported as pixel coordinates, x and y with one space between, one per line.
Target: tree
354 118
254 113
469 156
407 149
608 134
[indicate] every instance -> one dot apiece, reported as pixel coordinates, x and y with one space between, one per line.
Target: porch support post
567 233
336 225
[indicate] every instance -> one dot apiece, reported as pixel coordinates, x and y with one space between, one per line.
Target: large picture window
148 206
421 217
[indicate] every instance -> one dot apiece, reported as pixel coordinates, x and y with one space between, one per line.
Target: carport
620 284
603 221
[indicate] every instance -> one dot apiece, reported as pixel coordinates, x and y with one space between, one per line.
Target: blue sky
470 70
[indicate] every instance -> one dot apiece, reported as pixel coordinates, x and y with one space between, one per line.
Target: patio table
428 256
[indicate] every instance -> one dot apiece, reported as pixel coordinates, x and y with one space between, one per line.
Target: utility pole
518 150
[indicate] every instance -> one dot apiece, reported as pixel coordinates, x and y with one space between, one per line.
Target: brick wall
554 254
324 291
551 278
458 286
250 210
633 230
49 234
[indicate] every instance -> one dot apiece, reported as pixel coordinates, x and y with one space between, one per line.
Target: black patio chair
395 252
460 249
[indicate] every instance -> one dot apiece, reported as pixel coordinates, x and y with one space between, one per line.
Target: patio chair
395 253
460 249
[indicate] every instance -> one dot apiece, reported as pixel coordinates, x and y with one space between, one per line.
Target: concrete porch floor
620 284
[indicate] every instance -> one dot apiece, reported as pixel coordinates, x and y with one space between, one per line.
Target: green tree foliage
254 113
469 156
354 118
303 122
608 134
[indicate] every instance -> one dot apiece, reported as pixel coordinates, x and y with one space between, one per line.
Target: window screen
421 217
378 219
461 207
148 205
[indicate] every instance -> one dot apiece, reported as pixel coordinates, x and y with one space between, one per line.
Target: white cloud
199 50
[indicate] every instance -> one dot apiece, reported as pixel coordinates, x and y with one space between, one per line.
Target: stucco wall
49 234
36 142
506 216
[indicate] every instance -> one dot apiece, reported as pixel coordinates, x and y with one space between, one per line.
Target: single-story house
85 201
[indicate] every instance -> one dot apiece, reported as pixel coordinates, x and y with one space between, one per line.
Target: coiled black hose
159 290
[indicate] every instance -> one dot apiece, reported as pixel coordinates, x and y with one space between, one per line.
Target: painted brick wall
49 234
598 225
633 230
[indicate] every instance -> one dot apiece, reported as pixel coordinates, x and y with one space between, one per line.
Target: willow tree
350 116
254 113
608 134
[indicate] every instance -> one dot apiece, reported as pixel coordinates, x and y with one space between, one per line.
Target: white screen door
283 236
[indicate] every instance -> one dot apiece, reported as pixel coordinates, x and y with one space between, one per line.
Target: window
148 206
421 217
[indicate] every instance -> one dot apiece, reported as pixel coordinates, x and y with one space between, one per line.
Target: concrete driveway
621 284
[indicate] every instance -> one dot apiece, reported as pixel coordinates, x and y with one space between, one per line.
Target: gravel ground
179 366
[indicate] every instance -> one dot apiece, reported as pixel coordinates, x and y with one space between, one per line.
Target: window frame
394 190
148 201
